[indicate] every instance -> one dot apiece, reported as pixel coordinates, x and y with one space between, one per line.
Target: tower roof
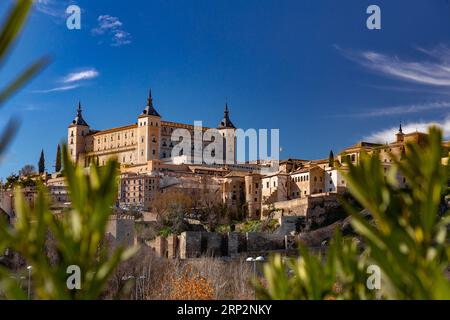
400 130
226 122
78 120
149 109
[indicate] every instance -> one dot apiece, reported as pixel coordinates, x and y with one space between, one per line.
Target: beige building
307 181
137 190
149 139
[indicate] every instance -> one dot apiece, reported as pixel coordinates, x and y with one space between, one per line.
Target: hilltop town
182 209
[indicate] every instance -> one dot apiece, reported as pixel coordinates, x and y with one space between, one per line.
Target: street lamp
254 260
29 281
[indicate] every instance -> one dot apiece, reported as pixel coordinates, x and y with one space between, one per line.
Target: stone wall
260 241
120 230
309 207
193 244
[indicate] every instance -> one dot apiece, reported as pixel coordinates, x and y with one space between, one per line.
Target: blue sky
310 68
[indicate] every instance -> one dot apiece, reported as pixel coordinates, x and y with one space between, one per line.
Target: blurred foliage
9 31
407 237
78 236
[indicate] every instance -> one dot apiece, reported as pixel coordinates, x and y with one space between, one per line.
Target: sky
309 68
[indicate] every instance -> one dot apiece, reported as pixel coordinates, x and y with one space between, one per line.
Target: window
267 185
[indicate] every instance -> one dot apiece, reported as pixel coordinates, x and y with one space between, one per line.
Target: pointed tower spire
78 120
149 108
150 99
400 135
226 122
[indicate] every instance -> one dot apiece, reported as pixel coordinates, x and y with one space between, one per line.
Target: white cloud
435 72
404 109
72 81
388 135
81 75
112 27
58 89
55 9
105 23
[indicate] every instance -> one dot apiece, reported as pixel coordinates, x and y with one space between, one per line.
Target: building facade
149 139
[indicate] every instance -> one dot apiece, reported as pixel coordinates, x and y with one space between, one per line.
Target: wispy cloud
72 81
55 9
81 75
401 110
58 89
435 70
388 135
112 27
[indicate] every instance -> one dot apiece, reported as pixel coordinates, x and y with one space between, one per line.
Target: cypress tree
41 164
58 159
331 159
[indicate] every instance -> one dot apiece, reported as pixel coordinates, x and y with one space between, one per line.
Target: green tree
8 33
331 159
41 164
78 236
58 159
406 238
27 170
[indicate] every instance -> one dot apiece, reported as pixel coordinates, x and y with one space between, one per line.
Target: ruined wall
193 244
120 230
310 207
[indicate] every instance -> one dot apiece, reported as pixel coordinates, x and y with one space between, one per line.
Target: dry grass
165 279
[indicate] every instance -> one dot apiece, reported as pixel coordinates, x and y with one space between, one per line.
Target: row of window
301 178
139 188
144 123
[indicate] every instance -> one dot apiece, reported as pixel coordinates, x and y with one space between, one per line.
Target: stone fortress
149 139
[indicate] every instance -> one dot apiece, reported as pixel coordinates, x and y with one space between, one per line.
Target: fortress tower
228 131
77 133
149 132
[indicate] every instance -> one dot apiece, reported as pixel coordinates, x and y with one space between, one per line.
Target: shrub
407 238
